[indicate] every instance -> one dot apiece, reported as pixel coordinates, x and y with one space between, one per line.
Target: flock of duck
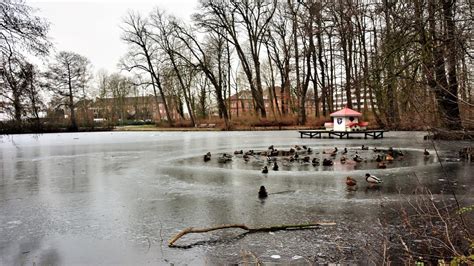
302 154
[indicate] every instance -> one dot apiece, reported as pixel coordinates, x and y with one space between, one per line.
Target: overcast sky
92 27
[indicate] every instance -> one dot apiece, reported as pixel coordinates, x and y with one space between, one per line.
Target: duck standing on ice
262 193
372 180
207 156
350 181
275 166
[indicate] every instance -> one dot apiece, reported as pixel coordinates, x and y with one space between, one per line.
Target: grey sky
92 28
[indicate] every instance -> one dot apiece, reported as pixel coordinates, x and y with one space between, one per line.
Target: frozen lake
117 197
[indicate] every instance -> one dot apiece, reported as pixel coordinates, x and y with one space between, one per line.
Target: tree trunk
156 78
183 87
331 88
452 118
301 97
321 63
312 49
392 105
73 126
17 107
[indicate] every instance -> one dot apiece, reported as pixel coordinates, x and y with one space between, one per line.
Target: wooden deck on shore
376 134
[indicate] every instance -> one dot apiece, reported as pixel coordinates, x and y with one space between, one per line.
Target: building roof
242 95
346 112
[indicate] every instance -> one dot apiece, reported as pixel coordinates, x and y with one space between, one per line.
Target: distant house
243 103
144 108
131 108
340 100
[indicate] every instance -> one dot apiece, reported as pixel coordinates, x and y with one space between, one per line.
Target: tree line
392 59
398 62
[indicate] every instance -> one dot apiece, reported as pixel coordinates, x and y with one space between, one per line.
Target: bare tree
208 58
230 19
16 77
66 77
21 30
34 100
142 54
378 54
279 50
168 43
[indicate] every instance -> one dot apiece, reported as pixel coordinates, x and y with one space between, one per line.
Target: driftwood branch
191 230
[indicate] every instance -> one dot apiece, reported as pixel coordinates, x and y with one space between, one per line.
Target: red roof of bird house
346 112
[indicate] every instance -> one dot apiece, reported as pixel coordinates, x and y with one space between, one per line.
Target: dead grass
409 120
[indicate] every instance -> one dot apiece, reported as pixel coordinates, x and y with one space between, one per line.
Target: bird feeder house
347 120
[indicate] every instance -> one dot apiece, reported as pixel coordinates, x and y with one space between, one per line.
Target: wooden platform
376 134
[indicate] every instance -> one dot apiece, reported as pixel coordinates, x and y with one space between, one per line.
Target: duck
345 151
297 147
239 152
265 170
274 152
375 149
389 157
262 193
351 181
309 150
305 147
328 162
357 158
334 153
315 162
306 159
246 157
379 158
207 156
381 165
426 153
391 152
364 148
371 179
292 151
343 160
335 150
271 147
275 166
225 158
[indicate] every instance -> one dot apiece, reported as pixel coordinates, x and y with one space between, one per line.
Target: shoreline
198 129
433 134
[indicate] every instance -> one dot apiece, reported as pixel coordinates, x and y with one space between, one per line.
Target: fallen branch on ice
190 230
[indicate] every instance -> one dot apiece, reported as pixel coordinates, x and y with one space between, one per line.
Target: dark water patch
368 160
